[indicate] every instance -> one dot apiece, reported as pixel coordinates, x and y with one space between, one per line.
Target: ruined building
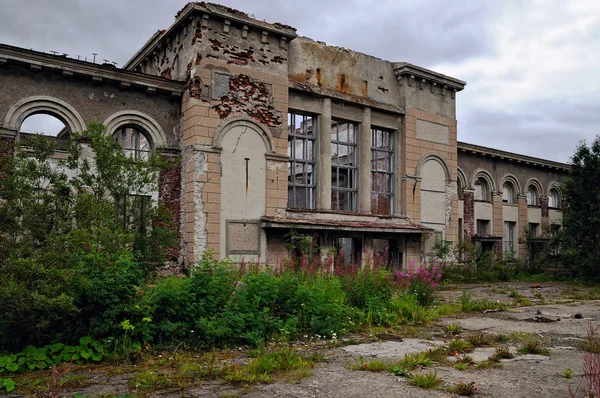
275 132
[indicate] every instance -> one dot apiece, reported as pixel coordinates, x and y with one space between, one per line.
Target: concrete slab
392 349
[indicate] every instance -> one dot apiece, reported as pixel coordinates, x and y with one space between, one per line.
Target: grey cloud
549 130
432 34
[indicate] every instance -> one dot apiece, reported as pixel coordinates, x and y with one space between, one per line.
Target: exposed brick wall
545 216
468 215
170 195
522 225
250 97
497 227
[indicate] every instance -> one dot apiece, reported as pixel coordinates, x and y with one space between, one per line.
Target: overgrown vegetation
73 245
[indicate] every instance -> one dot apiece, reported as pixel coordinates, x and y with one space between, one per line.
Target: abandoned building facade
273 132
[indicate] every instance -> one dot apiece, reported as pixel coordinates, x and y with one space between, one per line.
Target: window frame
310 188
554 193
386 136
512 198
485 190
509 241
120 136
533 199
485 223
350 192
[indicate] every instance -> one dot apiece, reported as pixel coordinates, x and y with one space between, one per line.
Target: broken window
382 171
134 142
554 198
483 227
481 189
533 229
132 211
508 192
532 196
301 167
350 249
343 166
509 236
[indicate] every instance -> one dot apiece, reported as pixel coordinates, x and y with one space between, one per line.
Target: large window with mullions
382 171
302 131
344 177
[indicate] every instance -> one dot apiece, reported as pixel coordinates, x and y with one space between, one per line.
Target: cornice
69 67
418 75
511 157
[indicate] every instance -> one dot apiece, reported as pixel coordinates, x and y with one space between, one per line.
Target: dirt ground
555 313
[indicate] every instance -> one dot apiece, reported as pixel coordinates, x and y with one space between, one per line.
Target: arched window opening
482 190
44 124
508 192
532 196
134 142
554 198
459 188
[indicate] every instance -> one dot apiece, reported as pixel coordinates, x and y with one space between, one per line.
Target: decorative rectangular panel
220 85
243 237
433 132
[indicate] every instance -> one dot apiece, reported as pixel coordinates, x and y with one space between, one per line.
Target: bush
422 283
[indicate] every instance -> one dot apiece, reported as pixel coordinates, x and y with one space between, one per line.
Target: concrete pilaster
497 227
324 157
399 170
364 162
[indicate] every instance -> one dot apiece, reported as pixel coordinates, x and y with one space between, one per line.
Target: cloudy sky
532 67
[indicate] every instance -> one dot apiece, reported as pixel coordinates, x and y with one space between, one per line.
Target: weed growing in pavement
501 353
458 346
533 347
480 340
568 374
463 389
426 380
461 366
453 329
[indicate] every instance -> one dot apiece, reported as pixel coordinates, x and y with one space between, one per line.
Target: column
468 215
545 216
169 193
522 225
324 157
364 162
497 227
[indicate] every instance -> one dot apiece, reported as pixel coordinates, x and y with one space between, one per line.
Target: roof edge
497 153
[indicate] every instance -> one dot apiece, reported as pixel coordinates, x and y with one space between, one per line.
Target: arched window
532 196
134 142
459 188
45 124
554 198
508 192
482 191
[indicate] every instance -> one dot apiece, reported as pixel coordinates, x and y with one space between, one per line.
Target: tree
75 237
580 238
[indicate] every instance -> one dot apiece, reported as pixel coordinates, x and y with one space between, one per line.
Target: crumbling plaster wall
234 76
341 70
